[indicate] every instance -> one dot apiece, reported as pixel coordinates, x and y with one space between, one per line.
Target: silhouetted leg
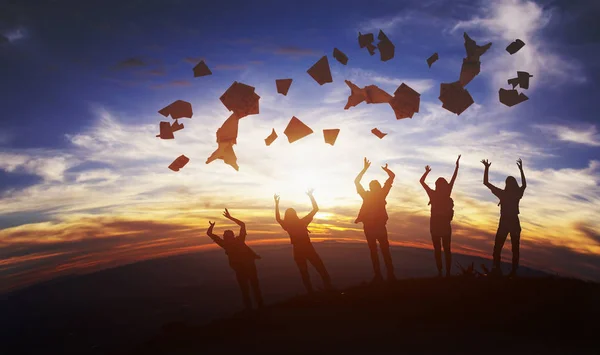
300 258
384 244
437 252
317 262
447 253
242 280
253 275
499 241
372 242
515 240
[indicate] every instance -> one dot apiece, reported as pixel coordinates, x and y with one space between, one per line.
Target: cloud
587 136
130 63
368 77
385 24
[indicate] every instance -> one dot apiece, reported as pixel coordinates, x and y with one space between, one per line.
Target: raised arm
242 225
455 174
523 181
388 183
422 180
315 207
213 236
496 191
277 215
359 188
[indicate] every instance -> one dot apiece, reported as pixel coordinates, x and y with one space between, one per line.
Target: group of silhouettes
374 217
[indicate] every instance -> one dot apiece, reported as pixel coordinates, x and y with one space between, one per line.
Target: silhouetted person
509 216
442 212
304 251
241 259
374 218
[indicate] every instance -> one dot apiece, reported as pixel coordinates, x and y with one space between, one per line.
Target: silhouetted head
228 235
374 186
442 186
511 184
290 215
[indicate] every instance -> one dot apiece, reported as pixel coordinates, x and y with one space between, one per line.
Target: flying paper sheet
165 131
385 46
340 56
179 163
320 71
522 80
374 95
469 70
228 131
176 126
296 130
357 95
473 50
434 57
241 99
201 69
366 40
224 152
330 135
405 102
178 109
454 97
515 46
511 97
378 133
271 138
283 85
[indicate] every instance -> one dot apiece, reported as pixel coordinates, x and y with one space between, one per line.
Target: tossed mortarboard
165 131
340 56
474 51
224 152
511 97
385 46
405 102
455 97
176 126
179 163
357 95
469 70
522 80
201 69
283 85
271 138
241 99
432 59
178 109
375 95
296 130
378 133
515 46
330 135
228 131
366 40
320 71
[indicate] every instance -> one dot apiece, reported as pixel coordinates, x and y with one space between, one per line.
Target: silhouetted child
442 212
374 218
241 259
304 251
509 216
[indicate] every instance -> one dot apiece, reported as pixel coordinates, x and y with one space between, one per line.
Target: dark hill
414 316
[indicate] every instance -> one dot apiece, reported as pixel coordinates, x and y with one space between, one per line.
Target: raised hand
310 192
226 214
520 164
367 164
457 160
276 198
385 168
486 163
212 224
427 168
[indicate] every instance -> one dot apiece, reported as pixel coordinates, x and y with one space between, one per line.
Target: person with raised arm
442 213
241 259
374 217
509 216
304 251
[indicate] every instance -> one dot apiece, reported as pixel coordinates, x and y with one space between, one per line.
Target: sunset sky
84 182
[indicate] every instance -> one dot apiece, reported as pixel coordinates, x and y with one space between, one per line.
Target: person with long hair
304 251
241 259
442 213
509 216
374 217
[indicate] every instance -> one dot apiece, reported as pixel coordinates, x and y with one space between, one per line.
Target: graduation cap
178 109
385 46
469 70
201 69
283 85
176 126
179 163
455 97
296 130
241 99
224 152
511 97
515 46
378 133
357 95
375 95
474 51
330 135
522 80
340 56
229 130
366 40
405 102
165 131
271 138
320 71
432 59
